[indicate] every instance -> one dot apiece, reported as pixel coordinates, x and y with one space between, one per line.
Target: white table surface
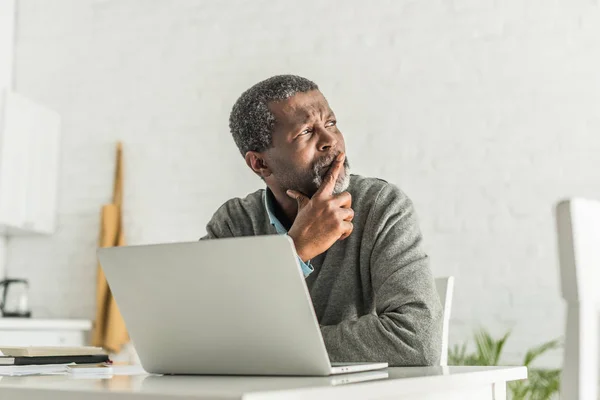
44 324
400 383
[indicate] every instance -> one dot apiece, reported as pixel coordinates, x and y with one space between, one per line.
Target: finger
332 176
299 197
343 200
346 214
348 227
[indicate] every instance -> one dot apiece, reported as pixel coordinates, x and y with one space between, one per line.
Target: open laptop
236 306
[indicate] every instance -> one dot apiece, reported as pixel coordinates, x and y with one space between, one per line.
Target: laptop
235 306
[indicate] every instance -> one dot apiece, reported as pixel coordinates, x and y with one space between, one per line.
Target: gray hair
251 122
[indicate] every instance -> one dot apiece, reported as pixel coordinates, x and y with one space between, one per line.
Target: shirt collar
269 199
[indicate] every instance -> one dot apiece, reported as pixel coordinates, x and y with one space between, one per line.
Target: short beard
309 181
340 185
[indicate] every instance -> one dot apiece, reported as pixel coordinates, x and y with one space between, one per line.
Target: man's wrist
299 249
302 256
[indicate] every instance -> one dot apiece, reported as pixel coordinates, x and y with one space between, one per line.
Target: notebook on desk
43 360
33 355
42 351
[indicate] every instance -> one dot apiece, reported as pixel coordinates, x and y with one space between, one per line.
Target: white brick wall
485 112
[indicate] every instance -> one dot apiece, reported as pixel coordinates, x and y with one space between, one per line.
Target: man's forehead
300 107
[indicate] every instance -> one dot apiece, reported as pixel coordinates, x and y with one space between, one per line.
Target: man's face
306 140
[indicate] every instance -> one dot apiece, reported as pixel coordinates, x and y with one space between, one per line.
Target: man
357 239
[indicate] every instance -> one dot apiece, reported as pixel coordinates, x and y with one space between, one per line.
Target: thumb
299 197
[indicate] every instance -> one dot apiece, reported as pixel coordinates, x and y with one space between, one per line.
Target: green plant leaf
500 346
518 390
489 350
542 384
485 348
535 352
457 355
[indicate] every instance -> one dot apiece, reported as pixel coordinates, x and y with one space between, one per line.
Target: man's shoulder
237 207
371 189
239 217
381 203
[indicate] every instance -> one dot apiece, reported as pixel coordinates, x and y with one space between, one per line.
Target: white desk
431 383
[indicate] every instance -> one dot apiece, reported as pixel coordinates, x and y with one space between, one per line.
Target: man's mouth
325 169
327 164
322 168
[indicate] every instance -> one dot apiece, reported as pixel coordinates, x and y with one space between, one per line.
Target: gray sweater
373 293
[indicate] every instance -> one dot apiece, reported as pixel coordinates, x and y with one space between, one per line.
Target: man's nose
327 140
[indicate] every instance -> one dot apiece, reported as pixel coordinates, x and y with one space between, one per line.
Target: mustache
326 162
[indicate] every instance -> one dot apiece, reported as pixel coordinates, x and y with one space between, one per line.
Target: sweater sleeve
406 329
219 225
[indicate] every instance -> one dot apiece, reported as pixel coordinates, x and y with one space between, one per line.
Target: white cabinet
29 150
29 164
29 142
44 332
7 41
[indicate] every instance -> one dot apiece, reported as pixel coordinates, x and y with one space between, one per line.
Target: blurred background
485 112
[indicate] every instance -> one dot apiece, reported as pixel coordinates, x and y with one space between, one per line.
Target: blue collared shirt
307 268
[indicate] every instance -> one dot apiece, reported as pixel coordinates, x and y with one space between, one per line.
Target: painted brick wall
485 112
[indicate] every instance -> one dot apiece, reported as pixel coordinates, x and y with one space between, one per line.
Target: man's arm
407 327
218 226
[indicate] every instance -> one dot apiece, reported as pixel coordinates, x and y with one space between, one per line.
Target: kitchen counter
35 323
44 332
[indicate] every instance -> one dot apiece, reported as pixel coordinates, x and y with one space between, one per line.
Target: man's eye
306 132
331 123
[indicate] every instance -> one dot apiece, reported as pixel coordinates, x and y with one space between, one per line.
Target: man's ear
257 163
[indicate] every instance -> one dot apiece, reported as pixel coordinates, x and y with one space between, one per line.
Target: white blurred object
127 369
7 41
445 289
26 370
22 332
29 149
29 161
578 225
89 369
127 355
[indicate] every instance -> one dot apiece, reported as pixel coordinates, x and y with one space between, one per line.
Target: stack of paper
67 369
23 370
90 370
44 351
42 360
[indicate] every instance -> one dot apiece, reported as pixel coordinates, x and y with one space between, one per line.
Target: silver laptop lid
226 306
